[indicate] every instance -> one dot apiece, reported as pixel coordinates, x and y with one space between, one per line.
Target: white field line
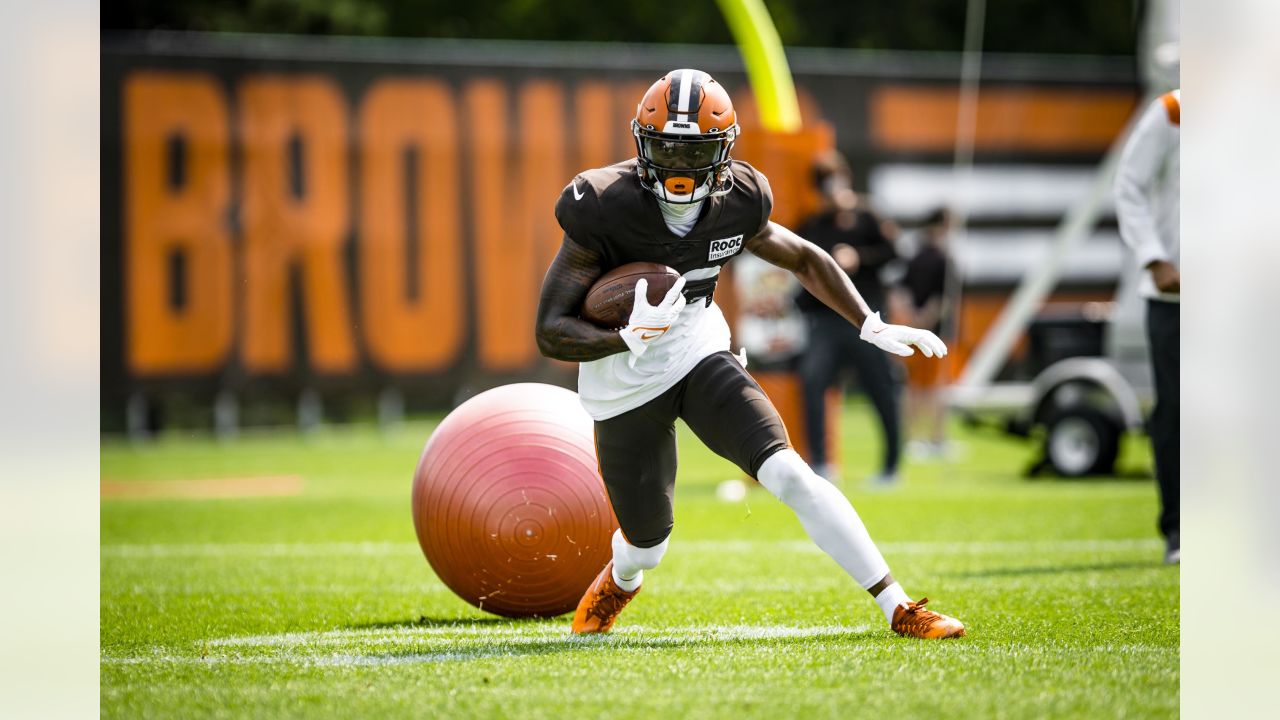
264 550
413 645
835 583
344 648
220 587
523 632
392 549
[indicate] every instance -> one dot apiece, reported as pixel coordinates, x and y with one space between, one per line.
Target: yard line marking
525 632
932 547
202 489
388 549
284 550
428 585
379 646
479 641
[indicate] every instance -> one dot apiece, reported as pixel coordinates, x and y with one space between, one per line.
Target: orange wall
905 118
304 241
461 260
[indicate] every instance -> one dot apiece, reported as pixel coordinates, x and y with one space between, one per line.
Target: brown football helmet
684 129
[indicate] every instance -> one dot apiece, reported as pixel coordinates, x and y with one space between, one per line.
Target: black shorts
725 408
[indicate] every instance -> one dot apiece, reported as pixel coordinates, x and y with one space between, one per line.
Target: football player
683 202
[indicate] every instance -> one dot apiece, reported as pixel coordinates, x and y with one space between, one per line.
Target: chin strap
729 183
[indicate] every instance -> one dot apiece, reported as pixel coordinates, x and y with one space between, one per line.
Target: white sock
890 598
628 584
630 562
826 515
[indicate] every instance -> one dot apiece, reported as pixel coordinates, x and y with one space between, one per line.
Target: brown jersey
609 211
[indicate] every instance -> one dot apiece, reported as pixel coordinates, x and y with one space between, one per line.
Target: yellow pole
767 67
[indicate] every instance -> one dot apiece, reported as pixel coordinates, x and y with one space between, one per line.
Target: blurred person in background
769 326
862 244
923 297
1147 204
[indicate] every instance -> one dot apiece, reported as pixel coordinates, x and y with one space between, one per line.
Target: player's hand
1166 276
650 322
898 339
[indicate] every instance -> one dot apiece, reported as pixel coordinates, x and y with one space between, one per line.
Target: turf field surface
311 599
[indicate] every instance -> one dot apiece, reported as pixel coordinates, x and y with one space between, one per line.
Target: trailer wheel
1081 441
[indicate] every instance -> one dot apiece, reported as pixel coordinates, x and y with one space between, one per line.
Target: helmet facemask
682 168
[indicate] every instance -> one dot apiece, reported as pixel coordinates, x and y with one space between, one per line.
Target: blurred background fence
306 228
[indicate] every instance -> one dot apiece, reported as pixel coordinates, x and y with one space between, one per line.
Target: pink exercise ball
508 503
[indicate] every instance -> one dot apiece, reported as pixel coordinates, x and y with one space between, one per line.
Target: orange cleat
912 620
600 605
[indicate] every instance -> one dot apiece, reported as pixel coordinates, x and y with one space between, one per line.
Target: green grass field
321 604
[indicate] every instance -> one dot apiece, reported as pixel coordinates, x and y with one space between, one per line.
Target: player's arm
823 278
815 269
562 335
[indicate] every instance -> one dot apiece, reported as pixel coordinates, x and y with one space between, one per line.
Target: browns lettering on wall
177 172
396 173
294 137
281 221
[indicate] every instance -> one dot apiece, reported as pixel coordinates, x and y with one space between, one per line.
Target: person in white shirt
1147 189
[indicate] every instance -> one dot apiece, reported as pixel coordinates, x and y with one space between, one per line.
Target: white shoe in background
828 472
921 450
884 480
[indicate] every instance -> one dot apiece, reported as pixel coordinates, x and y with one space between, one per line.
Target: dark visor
682 154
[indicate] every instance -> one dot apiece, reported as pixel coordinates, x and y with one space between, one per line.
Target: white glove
650 322
898 339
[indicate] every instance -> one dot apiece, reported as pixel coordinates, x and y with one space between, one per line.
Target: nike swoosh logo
576 195
646 337
875 332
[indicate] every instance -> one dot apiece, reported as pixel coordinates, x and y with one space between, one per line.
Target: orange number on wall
410 326
177 191
296 214
517 173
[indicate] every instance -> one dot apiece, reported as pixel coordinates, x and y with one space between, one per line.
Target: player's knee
789 478
644 558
